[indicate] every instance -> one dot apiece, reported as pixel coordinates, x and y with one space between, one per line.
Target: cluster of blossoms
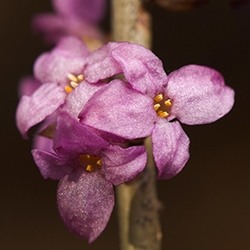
89 107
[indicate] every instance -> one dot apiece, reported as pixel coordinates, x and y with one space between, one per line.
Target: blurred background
207 206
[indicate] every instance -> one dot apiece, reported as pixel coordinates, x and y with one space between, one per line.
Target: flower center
74 81
90 162
162 105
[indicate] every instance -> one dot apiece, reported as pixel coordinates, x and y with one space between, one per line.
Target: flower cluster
91 105
88 107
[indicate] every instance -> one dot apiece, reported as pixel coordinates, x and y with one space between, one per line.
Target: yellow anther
163 114
157 106
99 163
68 89
73 84
168 103
89 168
158 98
80 77
72 77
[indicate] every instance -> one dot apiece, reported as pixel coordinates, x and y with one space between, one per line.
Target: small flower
150 103
72 17
87 167
58 73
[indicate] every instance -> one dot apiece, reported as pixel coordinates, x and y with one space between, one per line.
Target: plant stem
137 201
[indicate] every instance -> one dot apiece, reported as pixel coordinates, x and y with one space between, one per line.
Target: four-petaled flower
56 75
87 167
150 102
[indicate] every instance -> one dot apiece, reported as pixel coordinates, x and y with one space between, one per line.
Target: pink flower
56 74
151 103
87 167
72 17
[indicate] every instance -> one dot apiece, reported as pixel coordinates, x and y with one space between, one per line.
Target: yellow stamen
157 106
168 103
99 163
72 77
158 98
73 84
163 114
68 89
89 168
80 77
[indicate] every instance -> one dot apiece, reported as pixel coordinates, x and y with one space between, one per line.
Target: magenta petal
120 110
199 95
85 10
50 165
101 64
28 85
35 108
67 57
85 202
123 164
43 143
50 25
141 68
73 138
170 148
79 97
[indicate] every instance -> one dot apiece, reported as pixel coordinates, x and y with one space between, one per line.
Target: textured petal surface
73 138
28 85
120 110
67 57
170 148
123 165
141 68
199 95
86 10
76 100
85 202
101 64
35 108
51 165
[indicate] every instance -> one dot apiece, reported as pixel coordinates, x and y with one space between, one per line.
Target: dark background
205 207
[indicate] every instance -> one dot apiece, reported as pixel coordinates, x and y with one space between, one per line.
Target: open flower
58 73
87 167
72 17
150 103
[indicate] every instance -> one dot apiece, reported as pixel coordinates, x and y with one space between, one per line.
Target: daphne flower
87 167
59 72
150 103
72 17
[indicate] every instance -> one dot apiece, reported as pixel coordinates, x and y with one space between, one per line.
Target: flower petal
67 57
28 85
123 164
35 108
85 10
85 202
73 138
79 97
51 165
170 148
199 95
141 68
120 110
